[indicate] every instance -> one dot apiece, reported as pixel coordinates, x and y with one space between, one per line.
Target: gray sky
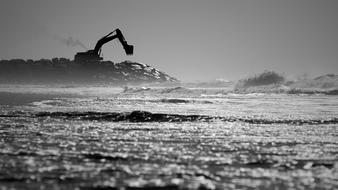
189 39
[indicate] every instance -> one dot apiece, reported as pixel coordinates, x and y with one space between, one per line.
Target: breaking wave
271 82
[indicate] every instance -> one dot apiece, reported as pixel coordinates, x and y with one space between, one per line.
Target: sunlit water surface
67 153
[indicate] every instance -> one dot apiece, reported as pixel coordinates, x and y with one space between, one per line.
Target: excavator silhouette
94 54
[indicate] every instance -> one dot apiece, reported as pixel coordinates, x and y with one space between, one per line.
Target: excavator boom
94 54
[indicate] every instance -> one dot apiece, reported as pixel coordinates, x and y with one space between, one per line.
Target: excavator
94 54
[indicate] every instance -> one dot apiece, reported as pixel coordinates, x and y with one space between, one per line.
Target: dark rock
175 101
144 116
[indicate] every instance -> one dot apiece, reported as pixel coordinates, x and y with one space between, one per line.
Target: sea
127 138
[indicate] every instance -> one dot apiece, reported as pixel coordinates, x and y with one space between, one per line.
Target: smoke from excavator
70 42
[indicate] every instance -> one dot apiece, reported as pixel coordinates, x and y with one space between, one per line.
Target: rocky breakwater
62 70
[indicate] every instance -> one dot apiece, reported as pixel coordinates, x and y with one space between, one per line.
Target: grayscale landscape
168 95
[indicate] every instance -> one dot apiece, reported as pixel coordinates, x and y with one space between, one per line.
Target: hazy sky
189 39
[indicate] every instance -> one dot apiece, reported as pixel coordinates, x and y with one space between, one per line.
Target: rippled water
73 141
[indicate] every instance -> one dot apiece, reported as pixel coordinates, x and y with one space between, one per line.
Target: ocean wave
144 116
312 91
267 83
282 89
156 90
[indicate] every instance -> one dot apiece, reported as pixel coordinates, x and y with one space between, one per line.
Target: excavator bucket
129 49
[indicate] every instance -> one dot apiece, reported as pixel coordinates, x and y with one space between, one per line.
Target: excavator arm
94 54
118 34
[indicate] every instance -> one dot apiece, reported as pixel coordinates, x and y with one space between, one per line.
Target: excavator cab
94 54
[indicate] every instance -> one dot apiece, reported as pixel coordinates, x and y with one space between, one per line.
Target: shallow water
71 141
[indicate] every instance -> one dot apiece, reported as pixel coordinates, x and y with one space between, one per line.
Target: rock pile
62 70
